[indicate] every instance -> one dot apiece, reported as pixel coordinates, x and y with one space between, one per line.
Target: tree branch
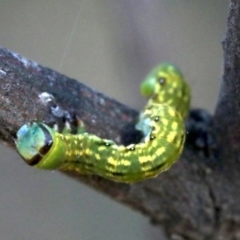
228 107
226 126
197 198
165 199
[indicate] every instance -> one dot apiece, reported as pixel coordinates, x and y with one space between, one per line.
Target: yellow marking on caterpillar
97 156
112 161
160 151
125 162
174 125
143 159
171 136
164 121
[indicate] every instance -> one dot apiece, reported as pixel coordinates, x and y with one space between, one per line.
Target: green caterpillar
161 122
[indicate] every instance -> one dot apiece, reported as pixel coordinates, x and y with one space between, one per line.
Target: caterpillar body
161 122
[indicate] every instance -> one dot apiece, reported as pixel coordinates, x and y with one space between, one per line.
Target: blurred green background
109 45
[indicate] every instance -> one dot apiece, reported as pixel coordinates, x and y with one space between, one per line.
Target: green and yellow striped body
161 122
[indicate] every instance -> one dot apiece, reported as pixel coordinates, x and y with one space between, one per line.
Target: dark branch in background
227 118
198 198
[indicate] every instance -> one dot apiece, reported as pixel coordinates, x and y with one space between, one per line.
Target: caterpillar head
35 141
165 84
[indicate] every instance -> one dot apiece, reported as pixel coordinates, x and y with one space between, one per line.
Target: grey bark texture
198 198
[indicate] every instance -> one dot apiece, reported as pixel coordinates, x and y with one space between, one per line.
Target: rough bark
198 197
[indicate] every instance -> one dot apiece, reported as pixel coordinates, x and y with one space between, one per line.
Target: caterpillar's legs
80 126
67 129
